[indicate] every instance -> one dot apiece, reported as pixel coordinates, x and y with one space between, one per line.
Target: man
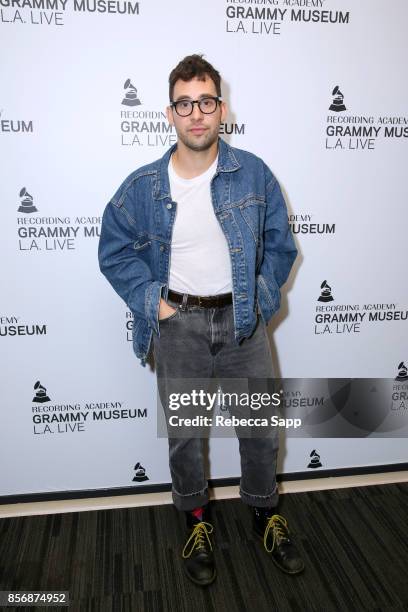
198 245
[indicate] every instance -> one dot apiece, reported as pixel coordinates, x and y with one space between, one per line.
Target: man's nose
196 114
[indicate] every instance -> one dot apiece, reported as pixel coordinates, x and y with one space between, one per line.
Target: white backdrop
67 142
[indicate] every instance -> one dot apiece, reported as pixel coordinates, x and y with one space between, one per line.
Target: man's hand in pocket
165 310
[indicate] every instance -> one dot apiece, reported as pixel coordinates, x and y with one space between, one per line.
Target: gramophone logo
140 475
130 98
26 204
315 460
325 295
337 105
402 372
40 396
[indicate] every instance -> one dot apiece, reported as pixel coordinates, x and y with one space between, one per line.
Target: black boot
273 528
197 552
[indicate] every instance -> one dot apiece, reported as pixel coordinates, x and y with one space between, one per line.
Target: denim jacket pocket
142 242
253 213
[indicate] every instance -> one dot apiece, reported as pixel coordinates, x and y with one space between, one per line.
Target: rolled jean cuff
260 501
191 500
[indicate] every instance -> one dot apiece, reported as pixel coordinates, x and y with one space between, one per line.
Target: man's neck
189 164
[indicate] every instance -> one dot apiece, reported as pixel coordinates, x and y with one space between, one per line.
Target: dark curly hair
193 66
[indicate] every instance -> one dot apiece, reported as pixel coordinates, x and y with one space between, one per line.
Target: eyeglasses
208 105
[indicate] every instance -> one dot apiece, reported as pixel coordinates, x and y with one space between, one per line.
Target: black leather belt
206 301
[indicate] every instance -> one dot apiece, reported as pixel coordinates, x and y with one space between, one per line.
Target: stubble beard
205 143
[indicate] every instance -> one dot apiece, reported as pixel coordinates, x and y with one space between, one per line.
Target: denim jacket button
169 205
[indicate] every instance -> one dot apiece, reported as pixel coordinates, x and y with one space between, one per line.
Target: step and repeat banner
318 89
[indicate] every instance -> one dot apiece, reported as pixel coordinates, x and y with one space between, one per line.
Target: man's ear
224 111
169 114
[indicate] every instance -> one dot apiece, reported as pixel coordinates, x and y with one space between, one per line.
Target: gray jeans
199 343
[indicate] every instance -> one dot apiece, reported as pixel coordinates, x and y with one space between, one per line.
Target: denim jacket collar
227 162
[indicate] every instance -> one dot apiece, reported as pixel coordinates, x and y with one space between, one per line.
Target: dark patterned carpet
354 542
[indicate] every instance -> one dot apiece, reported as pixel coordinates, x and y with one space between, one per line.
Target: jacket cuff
268 297
152 303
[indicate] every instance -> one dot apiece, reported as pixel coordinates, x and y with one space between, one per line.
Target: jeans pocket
172 316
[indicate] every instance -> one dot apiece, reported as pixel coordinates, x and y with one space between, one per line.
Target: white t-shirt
200 262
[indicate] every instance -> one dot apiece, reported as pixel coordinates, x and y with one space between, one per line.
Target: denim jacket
135 242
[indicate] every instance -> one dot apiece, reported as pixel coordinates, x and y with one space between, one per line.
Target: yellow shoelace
197 538
279 527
